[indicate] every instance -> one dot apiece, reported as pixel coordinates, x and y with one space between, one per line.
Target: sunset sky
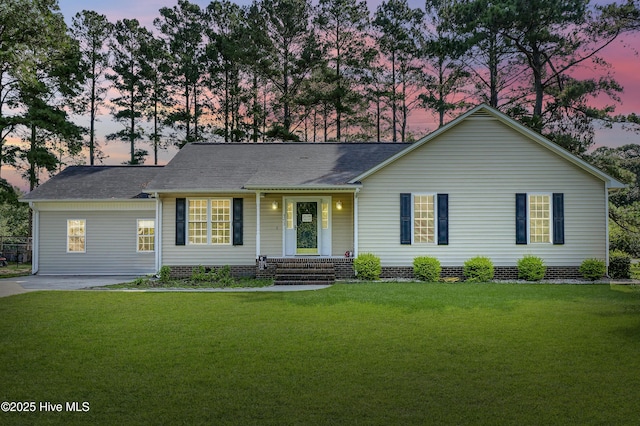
621 55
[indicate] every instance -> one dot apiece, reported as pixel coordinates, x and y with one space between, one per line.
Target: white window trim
85 236
138 236
209 221
533 194
435 217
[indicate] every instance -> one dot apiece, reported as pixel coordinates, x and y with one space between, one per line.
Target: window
146 234
423 219
209 217
325 215
221 221
76 232
289 215
198 221
539 218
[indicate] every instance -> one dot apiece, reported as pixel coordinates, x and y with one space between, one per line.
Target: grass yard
383 354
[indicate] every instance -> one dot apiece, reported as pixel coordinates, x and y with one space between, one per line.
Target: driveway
18 285
27 283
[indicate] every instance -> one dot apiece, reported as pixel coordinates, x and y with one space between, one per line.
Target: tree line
295 71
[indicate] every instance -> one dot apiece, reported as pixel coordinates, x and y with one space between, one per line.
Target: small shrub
593 269
199 274
165 274
367 266
222 276
619 264
141 281
450 280
427 268
531 268
478 269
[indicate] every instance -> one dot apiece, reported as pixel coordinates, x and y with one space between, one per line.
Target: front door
307 227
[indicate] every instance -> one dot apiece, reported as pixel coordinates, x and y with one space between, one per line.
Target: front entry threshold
307 252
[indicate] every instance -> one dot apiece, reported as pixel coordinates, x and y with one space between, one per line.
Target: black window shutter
181 216
558 218
443 219
237 221
521 218
405 218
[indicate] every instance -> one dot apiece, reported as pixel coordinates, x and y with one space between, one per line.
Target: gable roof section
96 183
228 167
484 110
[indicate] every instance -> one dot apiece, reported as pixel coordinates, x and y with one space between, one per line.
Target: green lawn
384 354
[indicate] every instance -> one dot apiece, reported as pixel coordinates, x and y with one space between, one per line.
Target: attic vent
481 115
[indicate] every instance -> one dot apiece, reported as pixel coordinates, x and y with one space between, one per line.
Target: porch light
339 205
274 205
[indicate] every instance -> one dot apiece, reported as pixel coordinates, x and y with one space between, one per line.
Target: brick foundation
237 271
501 273
344 270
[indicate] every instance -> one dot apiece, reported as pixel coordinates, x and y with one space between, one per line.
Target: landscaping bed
15 270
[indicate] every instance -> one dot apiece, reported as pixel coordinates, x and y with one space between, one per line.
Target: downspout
258 195
606 217
35 240
355 222
158 231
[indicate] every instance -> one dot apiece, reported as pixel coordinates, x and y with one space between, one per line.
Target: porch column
355 222
606 227
158 232
258 196
35 239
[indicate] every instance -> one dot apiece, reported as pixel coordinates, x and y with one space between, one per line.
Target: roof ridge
115 165
296 143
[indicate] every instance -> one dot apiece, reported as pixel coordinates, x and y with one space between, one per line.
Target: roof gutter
197 191
305 188
83 200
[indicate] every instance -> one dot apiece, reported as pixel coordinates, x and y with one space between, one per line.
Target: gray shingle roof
203 166
96 183
222 167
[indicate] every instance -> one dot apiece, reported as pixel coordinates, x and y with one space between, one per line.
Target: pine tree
128 81
92 31
182 28
399 29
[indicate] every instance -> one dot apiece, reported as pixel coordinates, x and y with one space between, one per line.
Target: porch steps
301 273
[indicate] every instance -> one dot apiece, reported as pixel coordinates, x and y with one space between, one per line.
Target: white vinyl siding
208 254
342 225
274 223
482 163
340 221
111 239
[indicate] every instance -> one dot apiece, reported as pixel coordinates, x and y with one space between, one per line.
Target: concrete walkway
19 285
